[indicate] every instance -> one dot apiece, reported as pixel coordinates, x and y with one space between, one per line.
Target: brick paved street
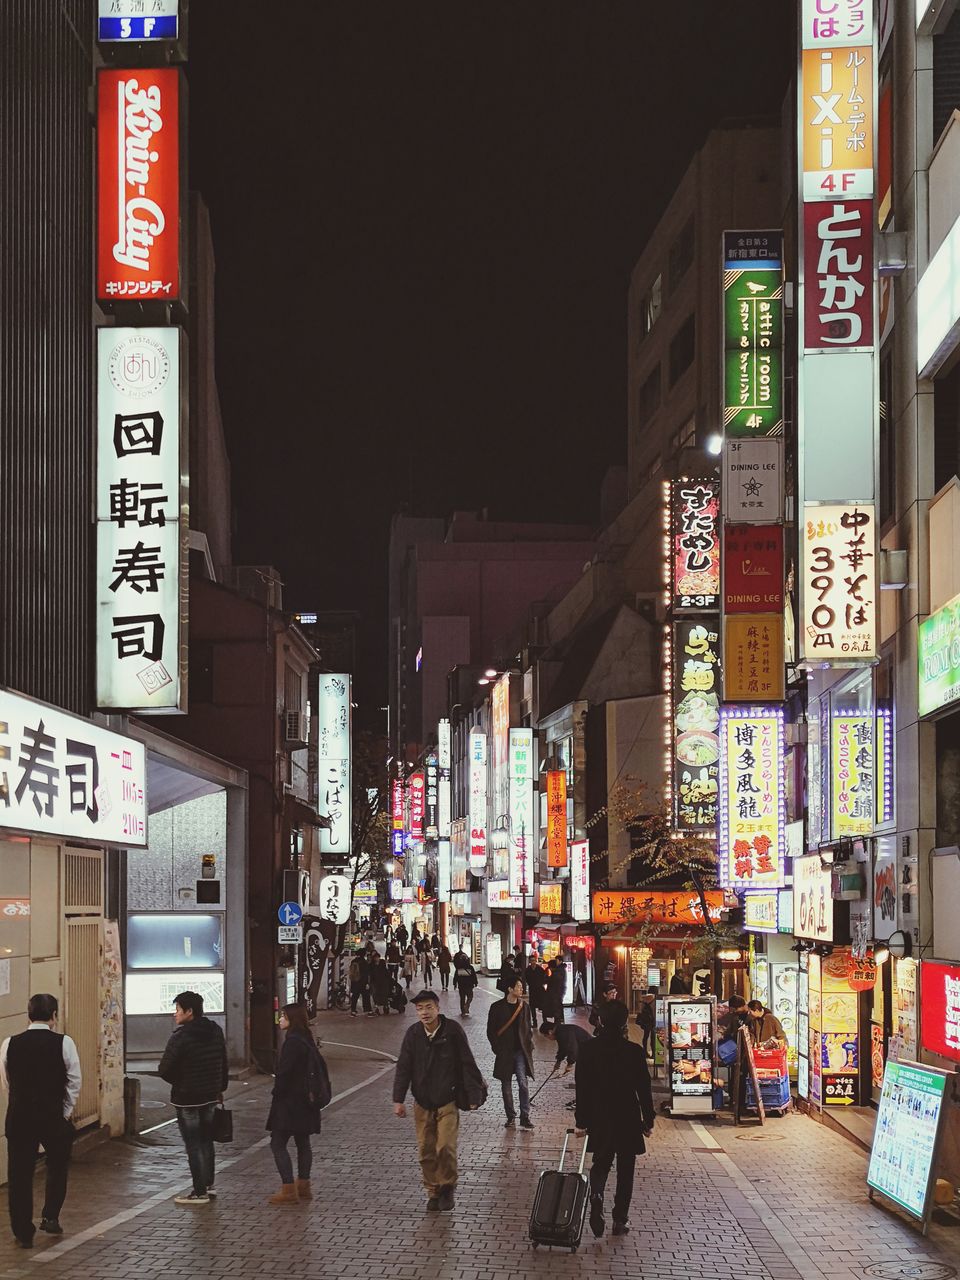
711 1202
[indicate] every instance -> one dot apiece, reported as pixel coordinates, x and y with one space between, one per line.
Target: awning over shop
629 935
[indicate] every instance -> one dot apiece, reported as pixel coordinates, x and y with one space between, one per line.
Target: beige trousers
437 1144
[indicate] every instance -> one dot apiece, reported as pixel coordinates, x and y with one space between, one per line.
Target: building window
888 444
946 428
681 255
651 306
682 349
649 400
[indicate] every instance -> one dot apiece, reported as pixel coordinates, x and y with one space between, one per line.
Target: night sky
424 217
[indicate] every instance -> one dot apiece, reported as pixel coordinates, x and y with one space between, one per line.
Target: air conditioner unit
650 605
294 729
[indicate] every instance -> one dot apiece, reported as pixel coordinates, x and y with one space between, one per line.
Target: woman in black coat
615 1108
380 985
292 1113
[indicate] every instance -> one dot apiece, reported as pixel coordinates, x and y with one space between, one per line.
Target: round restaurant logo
139 366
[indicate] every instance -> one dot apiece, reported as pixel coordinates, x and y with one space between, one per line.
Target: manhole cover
760 1137
910 1271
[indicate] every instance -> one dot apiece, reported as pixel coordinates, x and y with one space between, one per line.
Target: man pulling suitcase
615 1109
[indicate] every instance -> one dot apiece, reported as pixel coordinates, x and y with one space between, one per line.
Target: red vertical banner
556 818
417 804
838 275
138 184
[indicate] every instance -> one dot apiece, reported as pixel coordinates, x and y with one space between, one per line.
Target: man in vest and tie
40 1070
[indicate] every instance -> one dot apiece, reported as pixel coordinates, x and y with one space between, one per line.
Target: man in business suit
40 1070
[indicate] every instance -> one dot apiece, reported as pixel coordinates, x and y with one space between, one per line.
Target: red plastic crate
772 1061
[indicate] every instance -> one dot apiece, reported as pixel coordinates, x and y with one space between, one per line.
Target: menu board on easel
691 1047
909 1123
746 1070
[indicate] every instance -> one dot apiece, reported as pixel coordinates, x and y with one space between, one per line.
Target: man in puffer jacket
194 1064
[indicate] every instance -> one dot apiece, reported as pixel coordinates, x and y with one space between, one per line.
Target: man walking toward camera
41 1074
437 1066
194 1064
510 1038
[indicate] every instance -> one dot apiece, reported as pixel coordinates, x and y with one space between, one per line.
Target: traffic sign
290 933
290 913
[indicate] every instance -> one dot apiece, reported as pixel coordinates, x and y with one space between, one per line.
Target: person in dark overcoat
381 985
615 1109
292 1113
537 985
556 990
510 1038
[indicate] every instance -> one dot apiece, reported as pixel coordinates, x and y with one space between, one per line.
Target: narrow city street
711 1201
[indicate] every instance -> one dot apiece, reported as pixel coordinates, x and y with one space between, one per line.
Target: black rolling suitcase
560 1205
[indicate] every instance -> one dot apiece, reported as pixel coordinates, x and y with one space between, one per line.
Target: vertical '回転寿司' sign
334 775
142 534
138 187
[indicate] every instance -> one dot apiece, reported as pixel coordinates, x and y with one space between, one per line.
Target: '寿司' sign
138 188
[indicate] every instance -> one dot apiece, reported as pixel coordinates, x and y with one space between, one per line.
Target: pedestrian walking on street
510 1038
380 985
537 986
359 974
394 960
444 962
615 1108
679 984
608 992
437 1066
465 980
507 974
301 1087
556 989
647 1021
401 935
41 1076
435 943
426 966
409 966
194 1064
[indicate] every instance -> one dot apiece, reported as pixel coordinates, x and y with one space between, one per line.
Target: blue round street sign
290 913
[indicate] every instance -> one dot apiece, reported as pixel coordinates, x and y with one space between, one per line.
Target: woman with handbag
301 1088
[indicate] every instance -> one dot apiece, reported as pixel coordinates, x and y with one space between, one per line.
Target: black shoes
51 1226
24 1244
620 1229
597 1224
526 1123
509 1122
446 1199
433 1203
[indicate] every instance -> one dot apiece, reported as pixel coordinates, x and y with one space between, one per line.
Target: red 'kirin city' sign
138 192
838 275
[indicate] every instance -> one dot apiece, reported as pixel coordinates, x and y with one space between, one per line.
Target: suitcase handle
563 1152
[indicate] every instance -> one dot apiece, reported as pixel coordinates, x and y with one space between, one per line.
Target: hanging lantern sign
863 974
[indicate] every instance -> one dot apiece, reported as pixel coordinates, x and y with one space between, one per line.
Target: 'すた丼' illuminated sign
695 544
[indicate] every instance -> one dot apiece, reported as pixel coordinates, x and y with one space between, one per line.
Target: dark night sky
425 213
